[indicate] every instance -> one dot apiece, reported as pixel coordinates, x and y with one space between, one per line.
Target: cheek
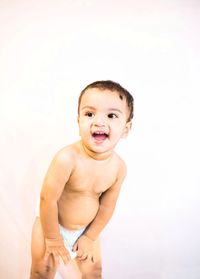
83 127
120 130
118 126
117 131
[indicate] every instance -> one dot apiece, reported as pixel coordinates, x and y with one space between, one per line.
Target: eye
112 115
89 114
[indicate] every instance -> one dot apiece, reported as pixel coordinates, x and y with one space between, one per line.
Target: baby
81 187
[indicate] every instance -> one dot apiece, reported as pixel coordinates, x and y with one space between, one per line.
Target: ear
126 129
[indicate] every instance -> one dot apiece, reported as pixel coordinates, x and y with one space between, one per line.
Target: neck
105 156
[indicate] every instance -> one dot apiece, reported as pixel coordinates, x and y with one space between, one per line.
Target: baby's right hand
56 248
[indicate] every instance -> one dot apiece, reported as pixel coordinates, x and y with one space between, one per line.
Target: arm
107 205
54 183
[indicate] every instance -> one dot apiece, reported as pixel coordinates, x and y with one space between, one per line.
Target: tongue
100 136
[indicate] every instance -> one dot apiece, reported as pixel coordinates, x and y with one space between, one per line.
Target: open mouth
100 136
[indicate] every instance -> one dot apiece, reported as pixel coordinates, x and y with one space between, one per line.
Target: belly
77 211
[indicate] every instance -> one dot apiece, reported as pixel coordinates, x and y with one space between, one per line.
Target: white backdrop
49 51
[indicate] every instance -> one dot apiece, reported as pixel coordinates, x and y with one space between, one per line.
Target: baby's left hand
84 247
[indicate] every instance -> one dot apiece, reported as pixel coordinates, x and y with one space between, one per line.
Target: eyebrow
87 107
93 108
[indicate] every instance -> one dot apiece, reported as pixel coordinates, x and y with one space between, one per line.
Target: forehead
103 98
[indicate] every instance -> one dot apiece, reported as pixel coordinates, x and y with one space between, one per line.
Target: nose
99 120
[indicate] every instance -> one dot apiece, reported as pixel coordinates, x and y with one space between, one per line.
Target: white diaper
70 237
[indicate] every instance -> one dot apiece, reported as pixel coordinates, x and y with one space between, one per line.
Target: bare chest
92 178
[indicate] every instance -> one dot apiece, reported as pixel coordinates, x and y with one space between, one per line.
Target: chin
98 149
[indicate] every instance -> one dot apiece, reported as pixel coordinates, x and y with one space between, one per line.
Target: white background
49 51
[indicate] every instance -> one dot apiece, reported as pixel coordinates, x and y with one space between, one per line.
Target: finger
65 259
46 255
84 257
56 258
89 257
65 256
79 253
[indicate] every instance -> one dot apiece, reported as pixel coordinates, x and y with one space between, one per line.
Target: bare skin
47 269
81 190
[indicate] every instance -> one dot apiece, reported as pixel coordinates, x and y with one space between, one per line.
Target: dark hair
112 86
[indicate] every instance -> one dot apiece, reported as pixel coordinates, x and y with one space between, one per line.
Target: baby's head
113 87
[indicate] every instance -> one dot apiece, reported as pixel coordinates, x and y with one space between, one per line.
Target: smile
100 135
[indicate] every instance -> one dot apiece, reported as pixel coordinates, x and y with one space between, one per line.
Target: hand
56 248
84 247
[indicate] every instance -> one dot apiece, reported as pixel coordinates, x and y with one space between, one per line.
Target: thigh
47 269
69 271
37 242
40 268
89 269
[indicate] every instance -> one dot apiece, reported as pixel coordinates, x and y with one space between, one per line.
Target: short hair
112 86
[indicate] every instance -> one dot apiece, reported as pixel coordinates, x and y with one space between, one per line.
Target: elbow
44 198
46 202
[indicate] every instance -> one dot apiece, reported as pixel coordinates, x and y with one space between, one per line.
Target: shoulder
66 155
121 165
